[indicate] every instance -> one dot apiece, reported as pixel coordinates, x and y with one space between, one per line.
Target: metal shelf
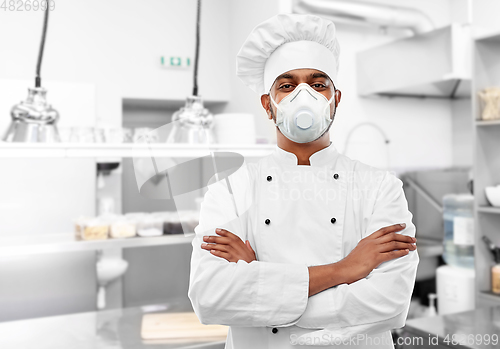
33 244
485 35
489 296
487 122
486 73
122 150
488 209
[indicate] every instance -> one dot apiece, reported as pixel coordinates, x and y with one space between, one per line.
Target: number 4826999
27 5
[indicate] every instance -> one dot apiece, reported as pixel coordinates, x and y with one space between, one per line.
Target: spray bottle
495 270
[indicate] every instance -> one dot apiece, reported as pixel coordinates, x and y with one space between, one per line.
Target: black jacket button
268 221
269 178
275 330
333 220
336 176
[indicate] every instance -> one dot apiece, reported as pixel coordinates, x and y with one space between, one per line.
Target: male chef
305 247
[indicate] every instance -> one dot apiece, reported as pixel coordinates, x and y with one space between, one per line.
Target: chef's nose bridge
304 89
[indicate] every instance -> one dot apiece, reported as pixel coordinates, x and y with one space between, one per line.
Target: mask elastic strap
331 99
278 121
330 102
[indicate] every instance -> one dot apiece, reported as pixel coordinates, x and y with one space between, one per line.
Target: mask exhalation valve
304 119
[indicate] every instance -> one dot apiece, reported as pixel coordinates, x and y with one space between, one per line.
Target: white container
150 225
493 195
455 289
80 224
123 227
95 229
234 128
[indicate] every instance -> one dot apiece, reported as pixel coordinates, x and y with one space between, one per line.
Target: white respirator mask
303 115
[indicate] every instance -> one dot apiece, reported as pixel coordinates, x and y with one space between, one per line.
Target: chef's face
286 83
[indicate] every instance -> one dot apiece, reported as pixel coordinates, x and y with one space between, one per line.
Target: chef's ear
338 95
265 100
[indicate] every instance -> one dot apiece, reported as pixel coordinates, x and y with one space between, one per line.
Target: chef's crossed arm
379 302
251 294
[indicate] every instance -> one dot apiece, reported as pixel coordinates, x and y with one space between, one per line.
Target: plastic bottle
458 239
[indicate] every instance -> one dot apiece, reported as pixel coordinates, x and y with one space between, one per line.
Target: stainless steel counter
471 328
110 329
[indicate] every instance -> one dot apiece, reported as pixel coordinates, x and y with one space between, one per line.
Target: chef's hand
229 246
381 246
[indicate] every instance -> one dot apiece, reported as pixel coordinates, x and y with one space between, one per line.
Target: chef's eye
318 86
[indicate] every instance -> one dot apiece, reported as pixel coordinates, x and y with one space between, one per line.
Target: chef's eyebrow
313 75
285 76
319 75
322 75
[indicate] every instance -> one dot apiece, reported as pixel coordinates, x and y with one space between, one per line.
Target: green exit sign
175 62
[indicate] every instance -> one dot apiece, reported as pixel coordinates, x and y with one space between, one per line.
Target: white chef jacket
297 216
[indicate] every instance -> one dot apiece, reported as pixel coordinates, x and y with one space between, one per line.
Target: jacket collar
323 157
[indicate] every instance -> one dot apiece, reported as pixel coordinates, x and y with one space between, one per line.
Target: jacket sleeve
241 294
379 302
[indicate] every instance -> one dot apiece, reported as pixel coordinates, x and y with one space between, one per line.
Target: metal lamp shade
33 120
193 124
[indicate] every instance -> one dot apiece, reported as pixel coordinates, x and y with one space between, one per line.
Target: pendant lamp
34 120
193 123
